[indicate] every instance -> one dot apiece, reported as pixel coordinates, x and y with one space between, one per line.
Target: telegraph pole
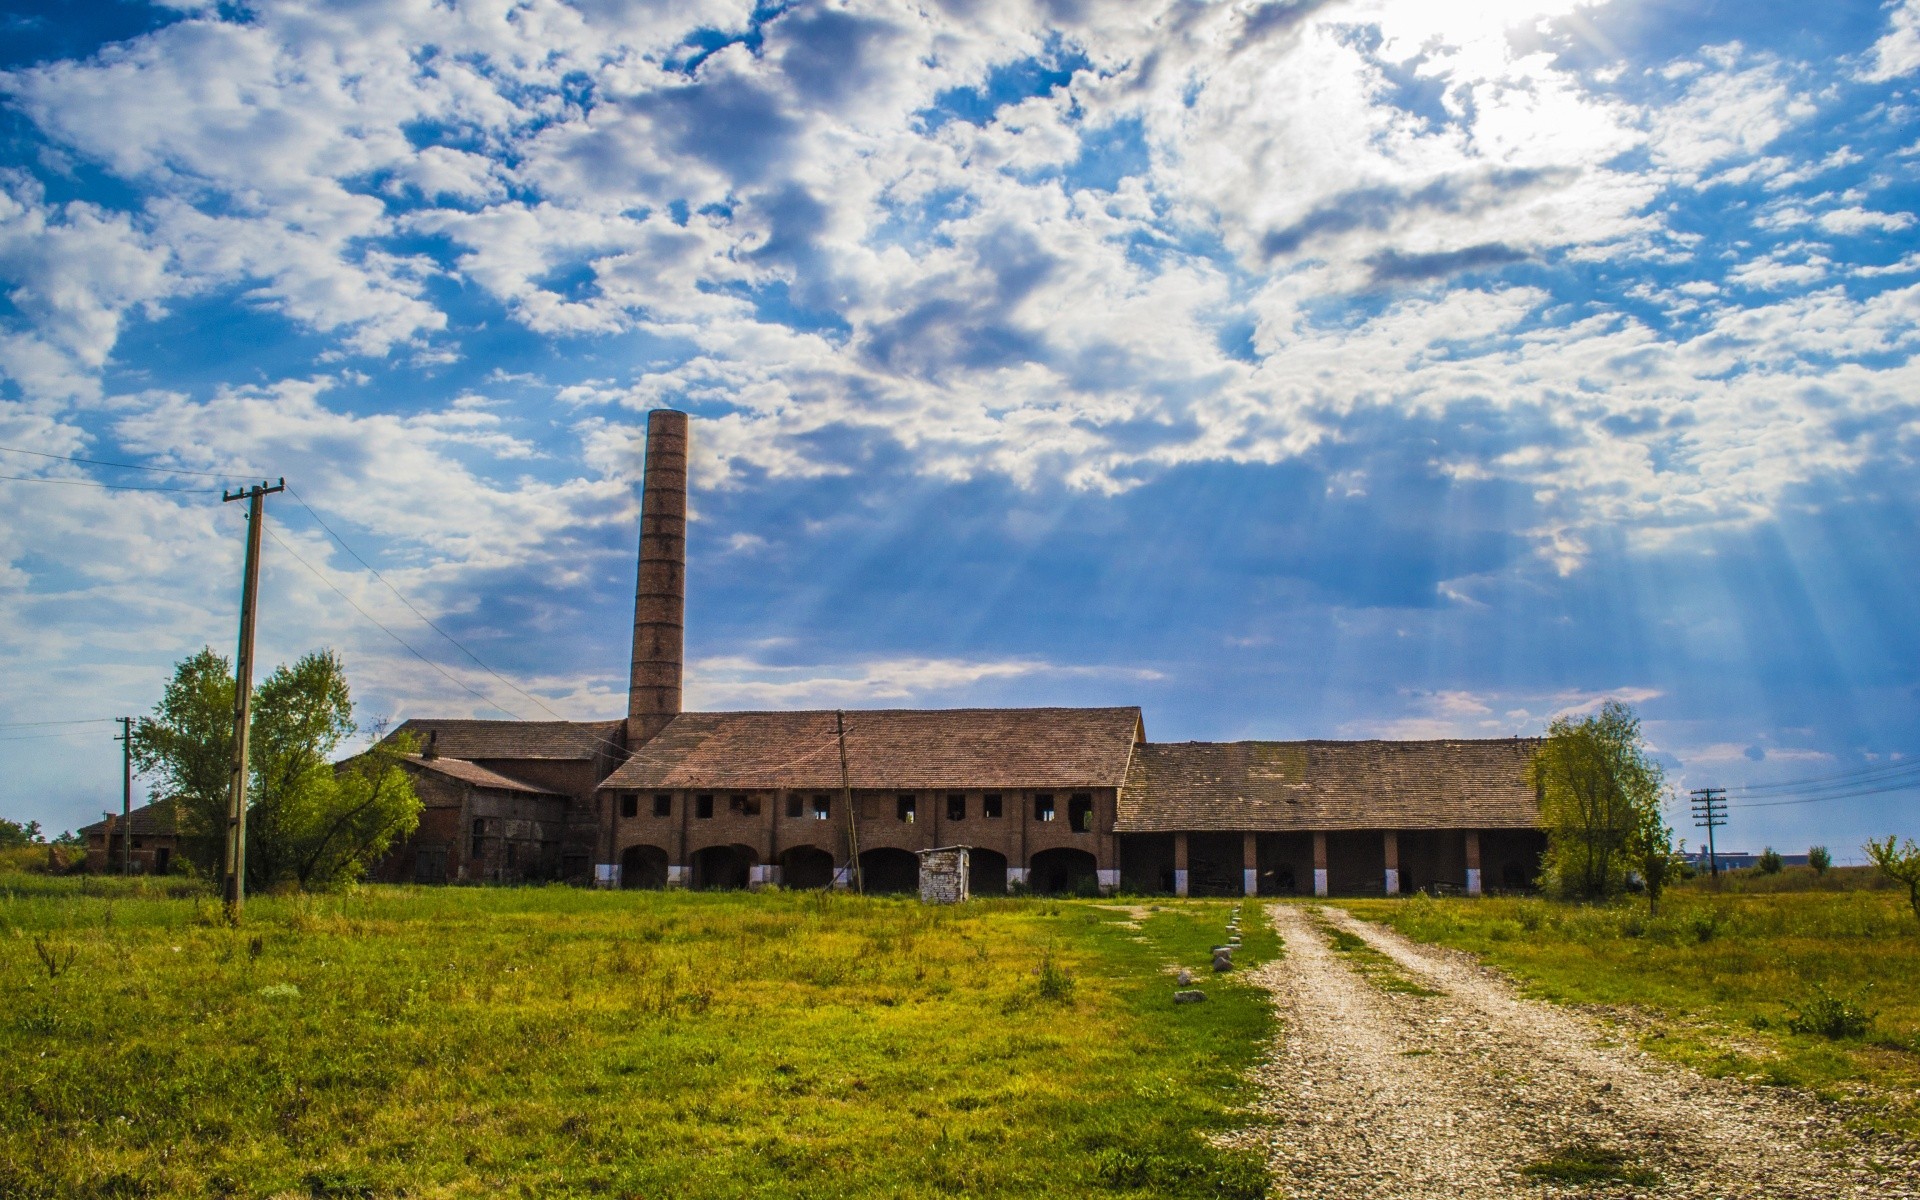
846 799
234 862
126 795
1710 812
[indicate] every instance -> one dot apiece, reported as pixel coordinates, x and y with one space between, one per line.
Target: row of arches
883 870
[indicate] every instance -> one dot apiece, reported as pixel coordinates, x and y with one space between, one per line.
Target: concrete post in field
1250 864
1319 864
1391 843
1179 864
1473 862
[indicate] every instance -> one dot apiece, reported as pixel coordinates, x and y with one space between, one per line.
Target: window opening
956 807
629 805
663 804
477 846
703 807
744 806
1043 807
908 809
1080 813
795 806
990 806
822 808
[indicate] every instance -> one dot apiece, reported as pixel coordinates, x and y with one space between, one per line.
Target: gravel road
1379 1091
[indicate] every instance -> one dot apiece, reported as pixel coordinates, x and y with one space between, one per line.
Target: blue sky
1399 368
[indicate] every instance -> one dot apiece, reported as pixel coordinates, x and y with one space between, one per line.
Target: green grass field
555 1042
1766 982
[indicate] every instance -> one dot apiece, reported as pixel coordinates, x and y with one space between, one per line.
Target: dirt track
1373 1092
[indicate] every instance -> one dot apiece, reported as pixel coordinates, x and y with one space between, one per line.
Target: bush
1819 859
1821 1012
1769 863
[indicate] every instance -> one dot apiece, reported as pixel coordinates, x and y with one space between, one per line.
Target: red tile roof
478 776
908 749
1451 784
568 741
148 820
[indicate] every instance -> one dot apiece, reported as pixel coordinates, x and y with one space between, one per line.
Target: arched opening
887 870
806 867
986 873
721 868
643 867
1064 872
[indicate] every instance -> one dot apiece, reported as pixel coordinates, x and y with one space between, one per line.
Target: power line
1843 777
431 623
40 724
390 633
118 487
101 462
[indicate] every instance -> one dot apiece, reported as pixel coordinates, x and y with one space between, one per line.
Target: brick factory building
1051 799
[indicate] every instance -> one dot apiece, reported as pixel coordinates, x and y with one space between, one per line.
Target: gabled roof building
1047 799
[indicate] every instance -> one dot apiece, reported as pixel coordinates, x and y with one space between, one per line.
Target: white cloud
1897 52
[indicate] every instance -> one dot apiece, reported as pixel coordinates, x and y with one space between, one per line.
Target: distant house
156 841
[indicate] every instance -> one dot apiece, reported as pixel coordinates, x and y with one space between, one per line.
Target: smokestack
660 594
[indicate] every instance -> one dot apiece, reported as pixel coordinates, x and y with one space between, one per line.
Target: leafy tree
1654 855
13 834
308 822
1769 863
1819 859
186 747
1599 798
1901 866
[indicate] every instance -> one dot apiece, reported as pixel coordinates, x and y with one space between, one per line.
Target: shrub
1055 983
1769 863
1819 859
1821 1012
1704 925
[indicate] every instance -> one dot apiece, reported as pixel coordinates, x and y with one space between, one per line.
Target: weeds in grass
1379 970
1585 1163
57 958
1822 1012
1055 984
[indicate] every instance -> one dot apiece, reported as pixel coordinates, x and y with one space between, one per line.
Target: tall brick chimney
660 595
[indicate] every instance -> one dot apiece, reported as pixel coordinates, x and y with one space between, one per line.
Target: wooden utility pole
126 794
846 799
234 862
1710 812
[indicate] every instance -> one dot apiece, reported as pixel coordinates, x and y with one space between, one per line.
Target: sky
1380 368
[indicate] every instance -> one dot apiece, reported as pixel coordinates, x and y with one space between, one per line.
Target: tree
308 822
1769 863
1652 852
1599 794
13 834
186 746
1901 866
1819 859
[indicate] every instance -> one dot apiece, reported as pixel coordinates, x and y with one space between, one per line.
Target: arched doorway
643 867
986 873
721 868
887 870
1064 872
806 867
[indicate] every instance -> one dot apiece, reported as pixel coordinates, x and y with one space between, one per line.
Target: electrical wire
430 622
101 462
408 646
1860 774
39 724
117 487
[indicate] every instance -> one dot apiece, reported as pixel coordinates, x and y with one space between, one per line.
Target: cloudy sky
1386 368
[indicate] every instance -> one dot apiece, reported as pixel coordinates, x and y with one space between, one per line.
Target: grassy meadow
555 1042
1783 981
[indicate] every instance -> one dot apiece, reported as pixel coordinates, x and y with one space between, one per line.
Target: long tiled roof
567 741
478 776
1452 784
148 820
909 749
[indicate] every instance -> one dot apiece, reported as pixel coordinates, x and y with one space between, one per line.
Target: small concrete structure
943 875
